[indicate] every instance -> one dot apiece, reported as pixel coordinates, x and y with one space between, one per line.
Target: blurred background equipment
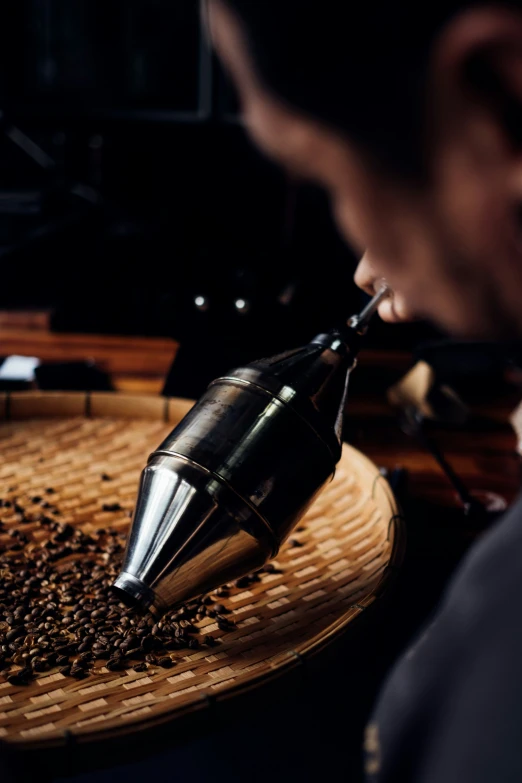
132 201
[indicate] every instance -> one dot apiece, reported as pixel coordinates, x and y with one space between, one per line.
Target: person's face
451 250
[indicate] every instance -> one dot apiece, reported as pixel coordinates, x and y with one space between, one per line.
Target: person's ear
474 128
475 71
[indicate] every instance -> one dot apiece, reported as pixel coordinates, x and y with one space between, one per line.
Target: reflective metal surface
361 321
230 482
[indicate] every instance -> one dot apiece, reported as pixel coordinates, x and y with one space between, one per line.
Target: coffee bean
140 667
148 643
166 662
16 679
14 633
114 665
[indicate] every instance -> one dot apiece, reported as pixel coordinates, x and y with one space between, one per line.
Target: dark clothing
451 710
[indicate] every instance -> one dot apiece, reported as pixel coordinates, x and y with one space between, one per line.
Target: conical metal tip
190 534
136 595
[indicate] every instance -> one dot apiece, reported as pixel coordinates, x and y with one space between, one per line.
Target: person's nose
368 277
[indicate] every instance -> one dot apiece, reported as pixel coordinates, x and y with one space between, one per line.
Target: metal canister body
230 482
258 446
226 487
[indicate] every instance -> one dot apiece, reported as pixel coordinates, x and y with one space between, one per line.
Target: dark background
129 189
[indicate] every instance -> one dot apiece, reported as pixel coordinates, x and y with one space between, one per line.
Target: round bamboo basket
348 546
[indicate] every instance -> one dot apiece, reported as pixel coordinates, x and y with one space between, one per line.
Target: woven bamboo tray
351 541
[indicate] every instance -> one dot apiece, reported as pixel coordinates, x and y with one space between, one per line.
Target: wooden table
135 364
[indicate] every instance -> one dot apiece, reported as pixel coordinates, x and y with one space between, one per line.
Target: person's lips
394 310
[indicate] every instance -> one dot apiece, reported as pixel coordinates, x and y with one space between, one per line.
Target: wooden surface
135 364
336 565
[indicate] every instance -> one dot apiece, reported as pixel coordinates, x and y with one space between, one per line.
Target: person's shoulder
465 665
490 575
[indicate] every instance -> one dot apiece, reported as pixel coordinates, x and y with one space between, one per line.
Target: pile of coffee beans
57 610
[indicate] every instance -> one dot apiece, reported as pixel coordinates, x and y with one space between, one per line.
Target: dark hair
360 66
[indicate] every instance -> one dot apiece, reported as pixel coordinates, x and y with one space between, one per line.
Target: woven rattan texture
347 540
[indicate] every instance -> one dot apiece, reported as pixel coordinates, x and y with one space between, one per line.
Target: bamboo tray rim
14 407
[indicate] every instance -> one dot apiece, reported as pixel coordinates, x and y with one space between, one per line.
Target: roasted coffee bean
65 670
140 667
61 660
148 643
166 662
114 664
17 679
14 633
78 672
243 581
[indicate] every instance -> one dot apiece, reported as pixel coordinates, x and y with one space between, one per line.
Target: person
409 115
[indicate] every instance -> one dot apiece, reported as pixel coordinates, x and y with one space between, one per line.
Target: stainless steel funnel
226 487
